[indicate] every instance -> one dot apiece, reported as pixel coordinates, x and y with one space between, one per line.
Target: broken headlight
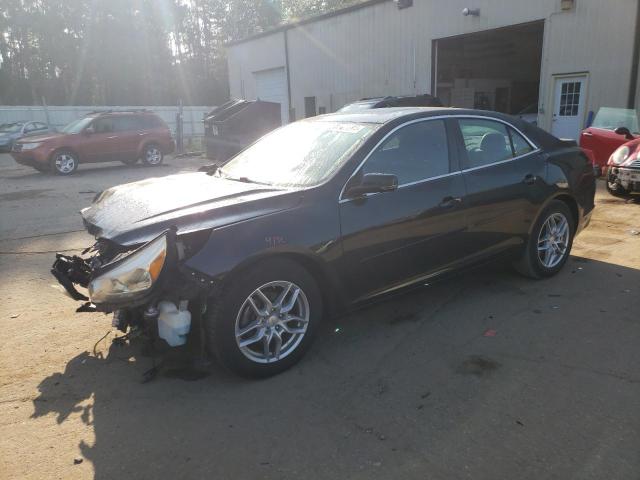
131 277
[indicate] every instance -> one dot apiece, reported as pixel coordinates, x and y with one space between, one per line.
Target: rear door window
103 125
519 144
127 123
149 122
489 141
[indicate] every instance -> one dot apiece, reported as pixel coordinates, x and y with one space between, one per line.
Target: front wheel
549 243
64 162
264 321
152 155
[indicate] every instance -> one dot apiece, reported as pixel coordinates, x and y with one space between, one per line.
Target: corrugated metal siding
367 52
597 38
370 51
244 59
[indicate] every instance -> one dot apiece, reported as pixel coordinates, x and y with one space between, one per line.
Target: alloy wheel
65 163
553 240
153 155
272 321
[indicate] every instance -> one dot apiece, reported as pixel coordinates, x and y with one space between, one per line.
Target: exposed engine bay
144 286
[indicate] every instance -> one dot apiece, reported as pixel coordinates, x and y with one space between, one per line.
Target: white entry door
271 86
568 108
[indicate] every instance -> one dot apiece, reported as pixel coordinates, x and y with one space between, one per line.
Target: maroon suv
98 137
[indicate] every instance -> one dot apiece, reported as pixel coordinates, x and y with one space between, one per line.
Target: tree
130 52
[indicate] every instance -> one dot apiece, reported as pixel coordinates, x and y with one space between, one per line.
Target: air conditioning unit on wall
403 3
567 5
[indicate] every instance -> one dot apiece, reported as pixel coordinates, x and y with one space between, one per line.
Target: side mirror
624 131
89 130
373 183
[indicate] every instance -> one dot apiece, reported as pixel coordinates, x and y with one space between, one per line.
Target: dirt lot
415 387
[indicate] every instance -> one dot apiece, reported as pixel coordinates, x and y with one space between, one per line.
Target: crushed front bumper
71 271
627 177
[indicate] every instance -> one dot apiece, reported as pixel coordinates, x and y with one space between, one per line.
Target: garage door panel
271 86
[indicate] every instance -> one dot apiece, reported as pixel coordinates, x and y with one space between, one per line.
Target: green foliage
129 52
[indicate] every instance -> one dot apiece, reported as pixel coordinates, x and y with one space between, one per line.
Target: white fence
61 115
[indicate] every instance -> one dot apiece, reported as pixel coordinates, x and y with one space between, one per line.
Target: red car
623 170
98 137
611 128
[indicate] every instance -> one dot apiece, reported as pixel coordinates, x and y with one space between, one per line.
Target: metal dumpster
236 124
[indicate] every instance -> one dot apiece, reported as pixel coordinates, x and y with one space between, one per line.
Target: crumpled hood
136 212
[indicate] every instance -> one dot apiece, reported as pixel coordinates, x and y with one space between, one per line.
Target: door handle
450 202
587 134
529 179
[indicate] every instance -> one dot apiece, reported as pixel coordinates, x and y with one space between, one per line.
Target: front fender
308 230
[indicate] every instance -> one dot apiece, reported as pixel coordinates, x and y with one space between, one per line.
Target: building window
309 107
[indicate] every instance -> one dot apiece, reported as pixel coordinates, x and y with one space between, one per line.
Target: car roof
398 115
384 115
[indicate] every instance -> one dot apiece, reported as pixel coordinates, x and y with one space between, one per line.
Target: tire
152 155
231 311
64 162
546 263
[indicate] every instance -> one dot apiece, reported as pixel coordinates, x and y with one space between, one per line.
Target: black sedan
323 214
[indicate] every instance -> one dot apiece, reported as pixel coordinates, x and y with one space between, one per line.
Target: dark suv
124 136
424 100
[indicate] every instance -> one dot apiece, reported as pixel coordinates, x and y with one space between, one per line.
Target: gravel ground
487 375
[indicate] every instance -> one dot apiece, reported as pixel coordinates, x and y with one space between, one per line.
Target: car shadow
393 389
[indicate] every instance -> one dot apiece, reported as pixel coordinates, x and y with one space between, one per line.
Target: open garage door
271 86
491 70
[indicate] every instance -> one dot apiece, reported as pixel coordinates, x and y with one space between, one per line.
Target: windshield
611 118
77 125
11 127
300 154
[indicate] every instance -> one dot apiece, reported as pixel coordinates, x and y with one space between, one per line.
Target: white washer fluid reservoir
174 323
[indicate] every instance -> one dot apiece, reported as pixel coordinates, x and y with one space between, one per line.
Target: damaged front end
143 286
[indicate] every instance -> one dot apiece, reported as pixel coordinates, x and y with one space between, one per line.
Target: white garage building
561 58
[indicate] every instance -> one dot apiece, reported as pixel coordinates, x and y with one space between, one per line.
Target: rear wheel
152 155
549 243
265 320
64 162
